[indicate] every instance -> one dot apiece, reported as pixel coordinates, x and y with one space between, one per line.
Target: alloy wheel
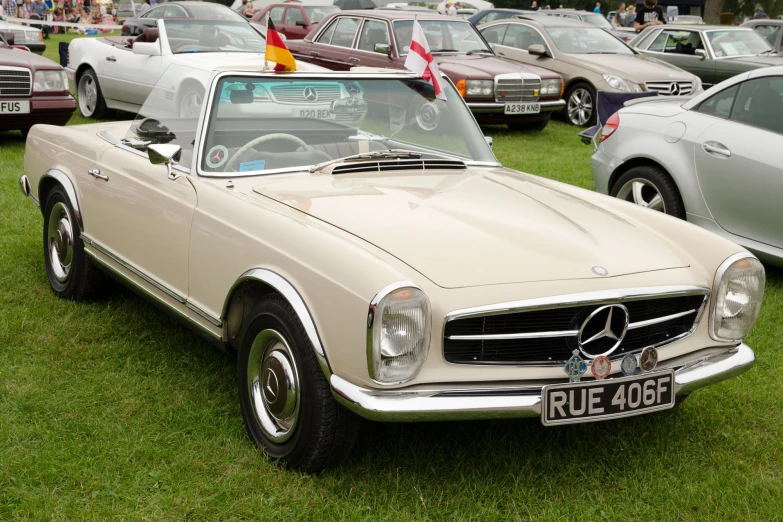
643 193
190 106
59 241
580 106
88 95
273 385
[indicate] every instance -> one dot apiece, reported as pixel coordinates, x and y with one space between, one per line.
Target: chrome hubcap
428 116
273 384
580 107
88 95
191 105
59 240
643 193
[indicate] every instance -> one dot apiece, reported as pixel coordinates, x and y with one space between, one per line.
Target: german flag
276 51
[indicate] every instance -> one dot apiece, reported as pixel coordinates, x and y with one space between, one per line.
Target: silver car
714 159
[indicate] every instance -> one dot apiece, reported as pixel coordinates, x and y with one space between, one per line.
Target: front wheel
286 401
580 107
91 102
650 187
190 102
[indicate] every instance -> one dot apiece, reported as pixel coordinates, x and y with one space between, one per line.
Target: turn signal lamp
611 125
462 87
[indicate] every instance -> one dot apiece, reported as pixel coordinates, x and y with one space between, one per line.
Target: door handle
315 53
95 173
714 147
111 59
353 59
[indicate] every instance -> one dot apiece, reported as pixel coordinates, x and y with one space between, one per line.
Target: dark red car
33 90
294 20
496 90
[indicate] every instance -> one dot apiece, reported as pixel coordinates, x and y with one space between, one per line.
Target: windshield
194 36
737 43
316 14
442 36
597 20
264 123
571 40
214 12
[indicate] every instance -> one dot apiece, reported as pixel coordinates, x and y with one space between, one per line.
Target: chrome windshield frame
206 112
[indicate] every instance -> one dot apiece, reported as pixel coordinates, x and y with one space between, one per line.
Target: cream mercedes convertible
359 265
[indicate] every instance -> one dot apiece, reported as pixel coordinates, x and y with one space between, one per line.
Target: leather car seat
149 35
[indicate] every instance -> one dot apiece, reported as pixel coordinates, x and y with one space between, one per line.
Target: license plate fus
523 108
14 107
607 399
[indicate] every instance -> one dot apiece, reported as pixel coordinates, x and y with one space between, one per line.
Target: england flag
420 60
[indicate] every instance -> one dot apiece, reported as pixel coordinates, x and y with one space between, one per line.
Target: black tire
577 91
650 179
321 433
532 126
89 107
72 275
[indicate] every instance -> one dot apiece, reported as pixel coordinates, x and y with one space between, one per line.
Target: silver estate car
714 159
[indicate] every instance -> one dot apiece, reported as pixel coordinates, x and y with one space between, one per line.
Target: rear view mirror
165 153
537 50
301 23
146 48
701 53
383 48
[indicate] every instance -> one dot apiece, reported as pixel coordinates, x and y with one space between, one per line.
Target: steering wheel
261 139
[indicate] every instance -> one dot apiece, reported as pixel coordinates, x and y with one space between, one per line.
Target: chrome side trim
204 314
473 401
561 301
132 269
70 190
139 288
290 293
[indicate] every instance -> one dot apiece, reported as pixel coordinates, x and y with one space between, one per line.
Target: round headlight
737 294
399 327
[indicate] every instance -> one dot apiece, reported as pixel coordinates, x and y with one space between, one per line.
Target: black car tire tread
662 181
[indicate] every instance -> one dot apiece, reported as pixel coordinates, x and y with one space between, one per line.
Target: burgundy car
496 90
33 90
294 20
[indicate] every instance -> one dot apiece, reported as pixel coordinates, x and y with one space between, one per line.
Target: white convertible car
120 72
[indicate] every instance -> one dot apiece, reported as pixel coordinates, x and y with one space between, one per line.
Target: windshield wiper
768 51
446 51
478 51
379 154
600 52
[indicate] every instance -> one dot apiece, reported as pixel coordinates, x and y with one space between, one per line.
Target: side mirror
537 50
9 38
146 48
301 23
165 154
383 48
701 53
489 140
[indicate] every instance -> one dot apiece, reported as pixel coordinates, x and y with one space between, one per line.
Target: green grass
112 410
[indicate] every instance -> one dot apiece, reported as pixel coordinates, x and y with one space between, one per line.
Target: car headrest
149 36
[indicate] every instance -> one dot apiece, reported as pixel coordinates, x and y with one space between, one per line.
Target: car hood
634 67
480 227
477 66
26 59
758 61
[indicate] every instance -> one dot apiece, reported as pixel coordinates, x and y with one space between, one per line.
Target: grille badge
603 331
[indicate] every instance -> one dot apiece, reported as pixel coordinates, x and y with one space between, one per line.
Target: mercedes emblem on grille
603 331
674 90
310 94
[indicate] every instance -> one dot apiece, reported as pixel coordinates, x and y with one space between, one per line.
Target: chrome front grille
15 81
298 93
670 88
548 336
517 89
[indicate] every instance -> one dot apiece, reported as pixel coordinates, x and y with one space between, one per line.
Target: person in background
649 14
145 6
249 11
597 8
451 9
630 17
760 13
27 9
547 8
619 16
534 7
10 8
241 9
59 16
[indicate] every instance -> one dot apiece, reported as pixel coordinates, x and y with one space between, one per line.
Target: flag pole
266 63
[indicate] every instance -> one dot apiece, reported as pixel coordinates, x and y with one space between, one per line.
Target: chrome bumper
430 403
500 107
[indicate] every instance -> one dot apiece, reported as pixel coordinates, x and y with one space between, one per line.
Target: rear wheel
652 188
532 126
91 103
190 102
286 401
580 104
